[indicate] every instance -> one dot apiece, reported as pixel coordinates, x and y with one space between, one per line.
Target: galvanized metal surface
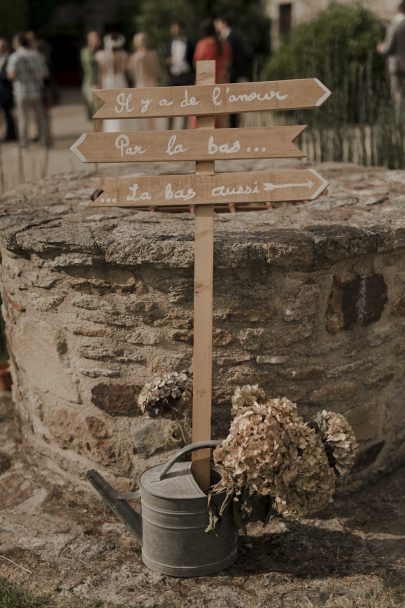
174 519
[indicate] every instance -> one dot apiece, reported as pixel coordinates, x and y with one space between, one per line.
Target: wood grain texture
198 100
98 123
221 144
208 188
203 303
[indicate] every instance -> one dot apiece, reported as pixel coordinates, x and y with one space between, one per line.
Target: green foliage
125 16
339 48
249 19
13 17
358 122
332 47
39 13
155 18
12 596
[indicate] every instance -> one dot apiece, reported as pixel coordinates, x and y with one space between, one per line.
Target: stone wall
309 303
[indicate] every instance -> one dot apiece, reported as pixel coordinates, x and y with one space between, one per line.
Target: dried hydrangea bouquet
273 461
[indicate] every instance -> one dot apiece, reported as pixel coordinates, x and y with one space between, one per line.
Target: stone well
309 303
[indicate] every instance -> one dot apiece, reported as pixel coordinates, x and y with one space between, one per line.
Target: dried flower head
308 484
339 440
164 394
272 451
246 396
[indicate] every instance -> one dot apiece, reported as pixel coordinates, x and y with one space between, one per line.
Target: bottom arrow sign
210 189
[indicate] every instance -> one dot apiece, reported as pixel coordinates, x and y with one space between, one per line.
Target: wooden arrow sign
205 189
219 144
211 99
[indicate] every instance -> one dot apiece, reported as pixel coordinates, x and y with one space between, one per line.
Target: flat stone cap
362 213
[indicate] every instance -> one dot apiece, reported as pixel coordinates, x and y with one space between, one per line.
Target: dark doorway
285 19
65 59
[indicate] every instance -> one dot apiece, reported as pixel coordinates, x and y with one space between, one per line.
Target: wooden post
203 304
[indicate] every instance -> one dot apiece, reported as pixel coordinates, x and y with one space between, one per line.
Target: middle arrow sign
219 144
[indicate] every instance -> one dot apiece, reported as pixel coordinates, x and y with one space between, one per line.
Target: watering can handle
198 445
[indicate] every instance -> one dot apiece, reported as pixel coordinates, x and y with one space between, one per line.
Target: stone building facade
285 16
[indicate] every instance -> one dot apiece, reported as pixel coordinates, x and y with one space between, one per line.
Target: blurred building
287 15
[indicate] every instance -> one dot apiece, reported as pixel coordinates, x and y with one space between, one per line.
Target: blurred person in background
237 68
393 47
32 40
143 65
49 89
27 70
6 93
145 71
210 46
113 65
90 71
179 60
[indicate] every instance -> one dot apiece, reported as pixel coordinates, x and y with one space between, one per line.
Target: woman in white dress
113 65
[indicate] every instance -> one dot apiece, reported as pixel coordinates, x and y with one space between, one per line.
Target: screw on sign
204 191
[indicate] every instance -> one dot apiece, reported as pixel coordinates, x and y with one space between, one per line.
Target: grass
13 596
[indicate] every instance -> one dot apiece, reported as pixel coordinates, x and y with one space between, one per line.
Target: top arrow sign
211 99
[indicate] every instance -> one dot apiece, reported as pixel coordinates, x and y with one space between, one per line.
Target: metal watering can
174 517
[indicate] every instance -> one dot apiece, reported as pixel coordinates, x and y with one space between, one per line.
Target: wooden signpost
205 191
222 144
212 189
209 98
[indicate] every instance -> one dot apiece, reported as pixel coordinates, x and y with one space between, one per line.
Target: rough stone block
334 391
222 337
251 338
301 373
43 355
366 421
145 335
152 435
301 302
271 359
398 307
116 399
354 301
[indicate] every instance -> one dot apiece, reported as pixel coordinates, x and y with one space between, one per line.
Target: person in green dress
90 70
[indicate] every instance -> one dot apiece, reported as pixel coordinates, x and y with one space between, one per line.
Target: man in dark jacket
179 58
394 48
6 93
237 72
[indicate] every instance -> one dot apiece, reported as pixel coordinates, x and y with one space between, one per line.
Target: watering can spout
117 501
